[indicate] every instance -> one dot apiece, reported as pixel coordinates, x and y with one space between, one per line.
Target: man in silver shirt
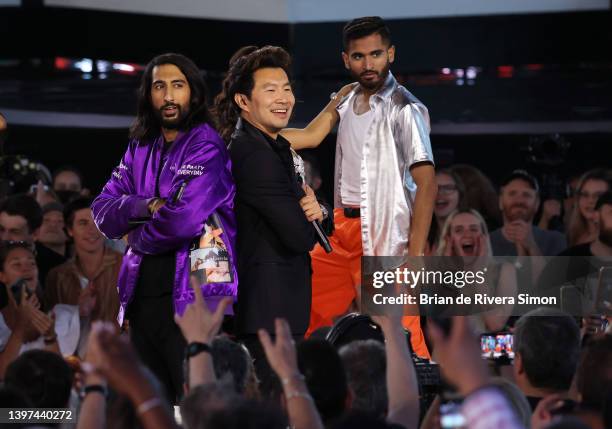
384 185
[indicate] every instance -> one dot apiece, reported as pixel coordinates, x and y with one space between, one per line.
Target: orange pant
337 275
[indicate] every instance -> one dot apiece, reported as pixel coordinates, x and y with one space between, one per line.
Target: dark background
560 77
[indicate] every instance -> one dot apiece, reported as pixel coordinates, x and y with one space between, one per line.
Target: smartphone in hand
17 288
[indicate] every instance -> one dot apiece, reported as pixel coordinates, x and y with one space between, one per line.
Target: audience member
17 262
52 234
231 362
484 406
43 377
20 220
465 235
451 196
112 361
365 365
89 279
22 329
18 315
282 357
519 200
517 399
401 378
547 347
594 379
325 378
579 264
584 223
244 414
68 183
43 194
205 400
480 194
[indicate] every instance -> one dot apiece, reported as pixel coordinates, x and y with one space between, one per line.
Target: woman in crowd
451 196
23 326
583 227
465 235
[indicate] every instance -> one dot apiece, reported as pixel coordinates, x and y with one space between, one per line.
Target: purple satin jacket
198 163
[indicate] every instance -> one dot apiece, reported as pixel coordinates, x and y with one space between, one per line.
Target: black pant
158 341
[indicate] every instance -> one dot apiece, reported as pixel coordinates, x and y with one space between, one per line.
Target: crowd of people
96 310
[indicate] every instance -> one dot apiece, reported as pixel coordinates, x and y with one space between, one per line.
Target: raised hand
198 323
112 357
459 355
281 353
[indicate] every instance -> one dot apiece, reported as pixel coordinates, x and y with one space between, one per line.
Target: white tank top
351 134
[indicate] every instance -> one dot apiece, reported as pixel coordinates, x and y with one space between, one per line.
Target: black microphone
323 240
321 236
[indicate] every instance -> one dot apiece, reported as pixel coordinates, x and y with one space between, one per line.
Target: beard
375 85
174 123
605 236
526 214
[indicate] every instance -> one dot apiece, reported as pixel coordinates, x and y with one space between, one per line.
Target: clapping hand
521 234
43 323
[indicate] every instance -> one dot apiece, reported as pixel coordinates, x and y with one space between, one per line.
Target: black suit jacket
274 236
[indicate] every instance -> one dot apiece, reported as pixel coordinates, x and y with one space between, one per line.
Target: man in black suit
274 210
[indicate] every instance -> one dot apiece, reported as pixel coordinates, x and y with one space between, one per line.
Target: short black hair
324 374
43 377
363 27
73 206
25 206
548 341
366 368
239 79
231 358
205 400
604 199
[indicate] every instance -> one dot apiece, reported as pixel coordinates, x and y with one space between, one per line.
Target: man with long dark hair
173 178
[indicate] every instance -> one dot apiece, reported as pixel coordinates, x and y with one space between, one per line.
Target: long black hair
147 124
239 80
